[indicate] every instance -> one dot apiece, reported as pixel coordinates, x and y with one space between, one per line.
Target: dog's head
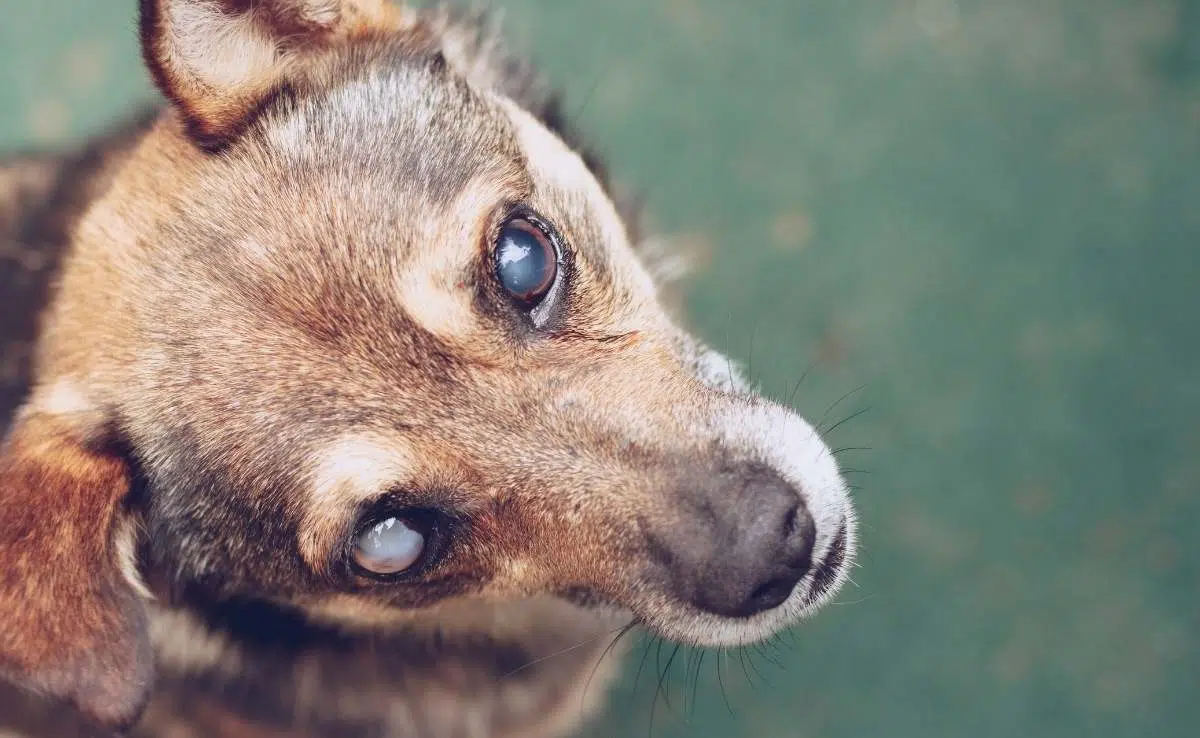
354 330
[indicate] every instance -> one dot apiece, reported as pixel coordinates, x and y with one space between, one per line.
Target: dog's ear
219 59
72 618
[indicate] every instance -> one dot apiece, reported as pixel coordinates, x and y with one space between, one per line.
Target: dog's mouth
827 574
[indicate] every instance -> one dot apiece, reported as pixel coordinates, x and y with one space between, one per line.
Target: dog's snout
764 547
740 544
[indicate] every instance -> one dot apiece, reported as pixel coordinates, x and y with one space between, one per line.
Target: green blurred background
984 213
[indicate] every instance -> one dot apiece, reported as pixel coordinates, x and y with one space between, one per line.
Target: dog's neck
276 670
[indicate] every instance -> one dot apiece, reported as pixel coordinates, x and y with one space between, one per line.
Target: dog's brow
346 472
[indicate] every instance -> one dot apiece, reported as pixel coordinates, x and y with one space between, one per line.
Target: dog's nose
741 545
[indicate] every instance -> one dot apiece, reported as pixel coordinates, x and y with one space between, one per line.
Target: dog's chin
684 623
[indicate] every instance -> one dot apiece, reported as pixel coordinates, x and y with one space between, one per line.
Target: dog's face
377 339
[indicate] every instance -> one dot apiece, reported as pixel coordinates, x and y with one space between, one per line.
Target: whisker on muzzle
573 647
621 633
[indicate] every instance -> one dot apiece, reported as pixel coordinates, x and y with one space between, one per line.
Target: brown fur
57 549
41 197
277 312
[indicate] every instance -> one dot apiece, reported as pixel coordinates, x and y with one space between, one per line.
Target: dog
341 400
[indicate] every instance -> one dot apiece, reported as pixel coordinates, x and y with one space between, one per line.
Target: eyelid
543 311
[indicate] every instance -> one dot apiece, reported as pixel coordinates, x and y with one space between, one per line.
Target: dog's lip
825 576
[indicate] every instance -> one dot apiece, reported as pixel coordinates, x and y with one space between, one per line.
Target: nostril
790 520
800 539
772 594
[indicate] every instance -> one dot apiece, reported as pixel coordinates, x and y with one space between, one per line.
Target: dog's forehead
344 237
413 159
403 127
427 136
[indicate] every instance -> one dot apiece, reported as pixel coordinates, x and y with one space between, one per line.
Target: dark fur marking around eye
584 597
602 338
282 633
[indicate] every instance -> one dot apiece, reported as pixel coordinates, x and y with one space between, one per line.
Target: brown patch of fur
73 626
433 678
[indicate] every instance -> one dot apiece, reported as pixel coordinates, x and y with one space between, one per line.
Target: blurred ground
986 214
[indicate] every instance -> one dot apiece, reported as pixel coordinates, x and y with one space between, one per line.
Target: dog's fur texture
235 328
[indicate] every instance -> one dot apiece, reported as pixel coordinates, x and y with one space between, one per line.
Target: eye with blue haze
389 546
526 262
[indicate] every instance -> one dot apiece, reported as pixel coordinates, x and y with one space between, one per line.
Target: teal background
984 213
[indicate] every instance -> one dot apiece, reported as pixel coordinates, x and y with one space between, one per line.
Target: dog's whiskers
622 632
562 651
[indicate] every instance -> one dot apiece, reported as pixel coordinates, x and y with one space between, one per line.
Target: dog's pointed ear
72 610
216 60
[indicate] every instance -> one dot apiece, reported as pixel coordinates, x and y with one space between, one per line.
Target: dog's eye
389 547
526 262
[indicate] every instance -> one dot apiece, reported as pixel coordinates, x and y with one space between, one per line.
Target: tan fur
21 181
279 308
216 59
184 644
352 469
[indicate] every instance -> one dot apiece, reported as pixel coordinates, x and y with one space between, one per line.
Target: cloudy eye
526 262
389 547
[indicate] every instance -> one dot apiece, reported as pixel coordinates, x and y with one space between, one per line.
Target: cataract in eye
388 547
